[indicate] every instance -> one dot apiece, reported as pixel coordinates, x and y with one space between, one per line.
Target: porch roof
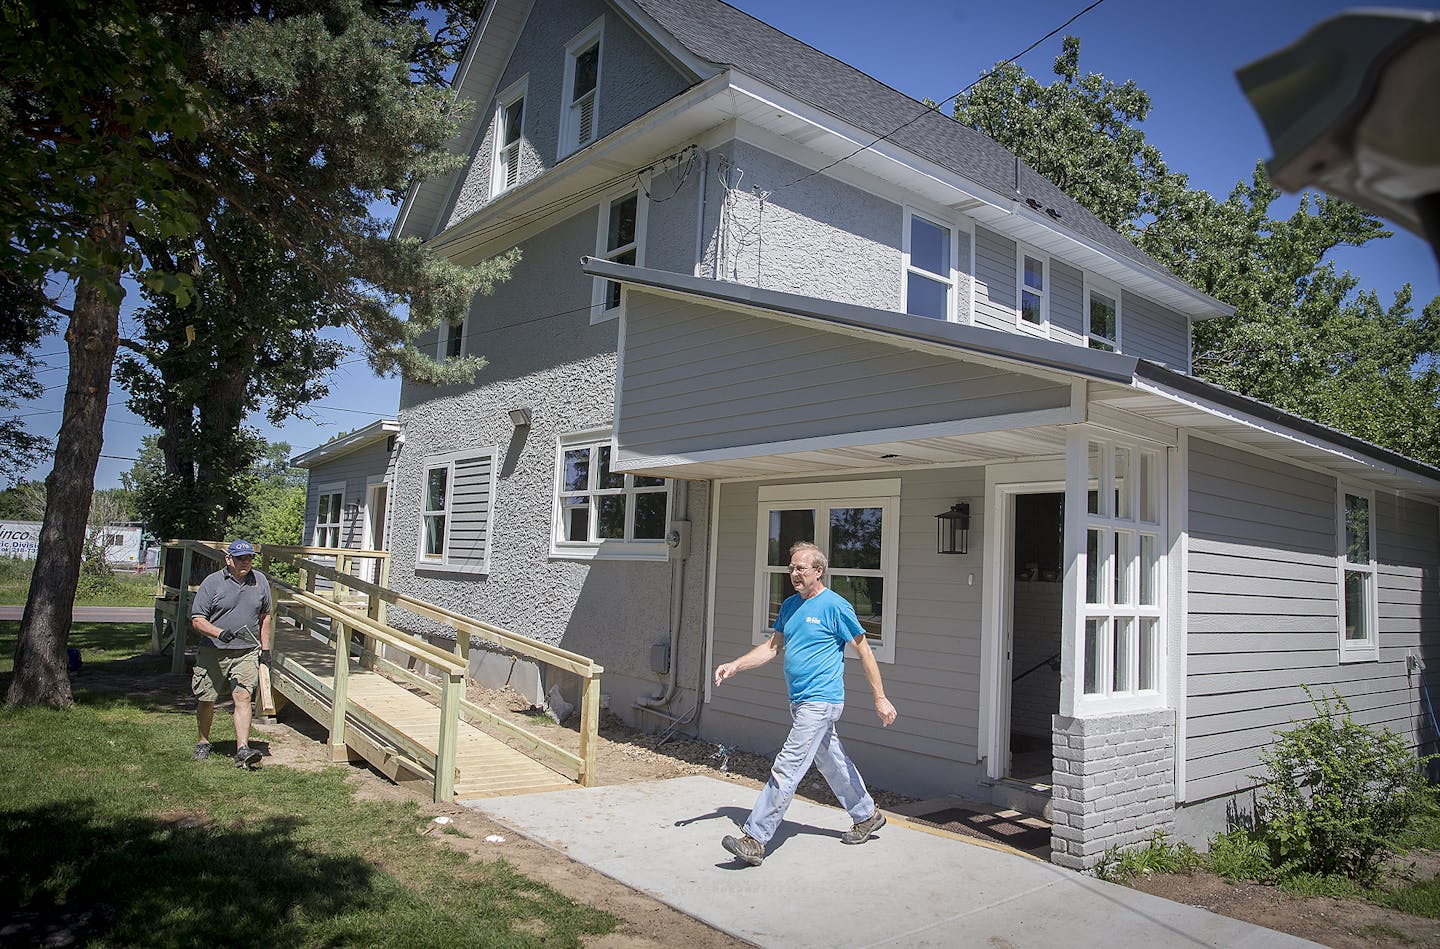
345 444
1113 390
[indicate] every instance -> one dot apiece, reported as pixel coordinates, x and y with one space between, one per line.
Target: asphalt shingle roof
725 36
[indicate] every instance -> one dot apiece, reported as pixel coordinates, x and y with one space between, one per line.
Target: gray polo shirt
230 604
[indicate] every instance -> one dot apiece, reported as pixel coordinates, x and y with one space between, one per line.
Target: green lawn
106 823
119 590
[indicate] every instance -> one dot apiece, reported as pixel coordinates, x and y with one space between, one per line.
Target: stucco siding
634 78
700 378
1152 332
354 470
934 680
813 235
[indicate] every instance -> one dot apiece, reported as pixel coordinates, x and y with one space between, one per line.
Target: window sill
655 551
1360 652
430 566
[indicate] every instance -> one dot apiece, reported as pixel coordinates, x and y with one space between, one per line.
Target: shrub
1240 854
1335 792
1157 856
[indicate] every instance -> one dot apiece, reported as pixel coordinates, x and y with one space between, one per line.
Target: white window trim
515 92
336 487
1359 650
598 313
1111 290
447 333
951 281
594 34
599 549
447 460
1108 522
882 493
1021 252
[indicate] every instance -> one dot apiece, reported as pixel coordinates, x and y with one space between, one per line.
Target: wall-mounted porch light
952 529
520 417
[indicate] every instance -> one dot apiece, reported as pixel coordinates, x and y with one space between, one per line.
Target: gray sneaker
246 757
201 752
861 832
745 847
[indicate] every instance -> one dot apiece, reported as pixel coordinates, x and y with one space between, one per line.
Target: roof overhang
1112 390
345 444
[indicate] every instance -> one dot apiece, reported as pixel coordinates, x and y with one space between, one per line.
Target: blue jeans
812 738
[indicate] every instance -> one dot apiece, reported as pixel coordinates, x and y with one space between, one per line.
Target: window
1359 612
509 129
857 525
621 238
929 268
456 509
1102 315
1031 288
600 511
327 516
452 340
580 109
1120 655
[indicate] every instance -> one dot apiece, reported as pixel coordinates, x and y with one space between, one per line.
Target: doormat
1020 832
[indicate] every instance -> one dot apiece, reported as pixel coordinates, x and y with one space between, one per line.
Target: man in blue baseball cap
231 612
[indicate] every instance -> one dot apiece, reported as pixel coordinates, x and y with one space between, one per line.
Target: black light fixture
952 529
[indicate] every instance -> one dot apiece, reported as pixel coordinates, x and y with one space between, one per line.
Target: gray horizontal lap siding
1263 610
700 378
634 78
994 280
1152 332
1067 291
354 470
934 680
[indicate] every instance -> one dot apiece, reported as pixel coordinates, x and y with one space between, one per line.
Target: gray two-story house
765 298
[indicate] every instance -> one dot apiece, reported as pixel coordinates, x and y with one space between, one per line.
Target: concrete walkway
905 887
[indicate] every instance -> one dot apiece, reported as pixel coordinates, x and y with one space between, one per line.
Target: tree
168 140
24 318
1304 338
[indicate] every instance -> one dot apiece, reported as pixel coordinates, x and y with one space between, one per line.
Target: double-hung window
508 131
857 525
1031 287
929 268
456 509
1120 655
580 109
621 238
1359 612
452 340
1102 314
603 512
328 511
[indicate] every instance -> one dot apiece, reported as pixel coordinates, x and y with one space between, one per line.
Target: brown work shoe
745 847
861 832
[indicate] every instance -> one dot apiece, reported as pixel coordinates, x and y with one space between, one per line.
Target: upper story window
929 268
452 340
508 131
857 525
1102 314
456 511
602 512
1032 287
1359 612
621 238
580 110
327 516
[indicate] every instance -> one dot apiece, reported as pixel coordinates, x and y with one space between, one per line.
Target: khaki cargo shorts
218 672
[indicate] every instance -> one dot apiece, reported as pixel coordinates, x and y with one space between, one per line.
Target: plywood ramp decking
485 766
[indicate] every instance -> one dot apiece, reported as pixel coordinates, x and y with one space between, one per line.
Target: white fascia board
345 444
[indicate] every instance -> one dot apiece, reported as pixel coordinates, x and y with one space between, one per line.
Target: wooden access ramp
386 696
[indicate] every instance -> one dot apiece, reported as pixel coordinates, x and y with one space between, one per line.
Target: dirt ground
625 755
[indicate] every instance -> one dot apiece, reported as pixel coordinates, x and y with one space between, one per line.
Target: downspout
680 552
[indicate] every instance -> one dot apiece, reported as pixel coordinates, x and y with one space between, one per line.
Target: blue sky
1183 55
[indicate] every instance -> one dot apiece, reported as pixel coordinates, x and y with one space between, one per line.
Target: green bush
1334 793
1157 856
1240 854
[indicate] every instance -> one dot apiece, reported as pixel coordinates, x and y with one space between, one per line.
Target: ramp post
338 751
449 732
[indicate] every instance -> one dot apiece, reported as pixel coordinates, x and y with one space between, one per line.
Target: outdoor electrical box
677 538
660 658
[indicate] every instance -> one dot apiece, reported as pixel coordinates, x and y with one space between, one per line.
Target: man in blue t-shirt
813 627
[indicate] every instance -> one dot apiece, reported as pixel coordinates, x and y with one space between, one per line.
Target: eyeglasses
800 567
